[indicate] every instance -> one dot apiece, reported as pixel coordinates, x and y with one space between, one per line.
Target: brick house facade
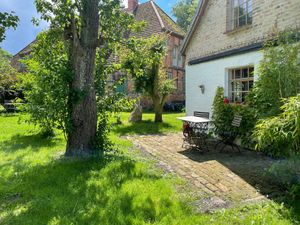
158 22
223 46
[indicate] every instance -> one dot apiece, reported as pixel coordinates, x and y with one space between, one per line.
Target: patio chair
202 126
202 114
228 137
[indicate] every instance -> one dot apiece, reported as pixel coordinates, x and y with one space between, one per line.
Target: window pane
238 97
250 84
244 96
175 55
242 20
249 18
237 74
235 3
251 72
245 86
245 73
237 86
242 9
249 6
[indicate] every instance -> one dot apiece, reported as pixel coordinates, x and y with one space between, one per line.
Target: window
170 75
175 56
240 13
240 83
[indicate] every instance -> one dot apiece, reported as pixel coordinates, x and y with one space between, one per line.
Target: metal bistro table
195 132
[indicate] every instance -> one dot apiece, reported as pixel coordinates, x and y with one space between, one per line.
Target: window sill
239 29
177 68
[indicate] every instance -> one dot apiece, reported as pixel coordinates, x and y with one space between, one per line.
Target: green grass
39 186
147 126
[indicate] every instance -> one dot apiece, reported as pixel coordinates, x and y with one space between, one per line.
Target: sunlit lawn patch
38 186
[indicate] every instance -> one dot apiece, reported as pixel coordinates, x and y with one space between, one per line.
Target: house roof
199 12
157 20
26 50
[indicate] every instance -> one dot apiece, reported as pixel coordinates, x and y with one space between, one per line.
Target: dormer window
239 14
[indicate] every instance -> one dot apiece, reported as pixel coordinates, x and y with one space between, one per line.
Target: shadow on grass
114 191
143 127
19 142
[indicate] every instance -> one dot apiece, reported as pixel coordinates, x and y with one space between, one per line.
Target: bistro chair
202 126
202 114
227 138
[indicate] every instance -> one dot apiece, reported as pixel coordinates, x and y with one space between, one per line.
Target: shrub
223 114
287 173
280 135
279 74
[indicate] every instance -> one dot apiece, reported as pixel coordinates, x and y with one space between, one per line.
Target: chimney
132 4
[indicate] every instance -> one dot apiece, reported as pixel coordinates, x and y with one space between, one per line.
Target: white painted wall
213 74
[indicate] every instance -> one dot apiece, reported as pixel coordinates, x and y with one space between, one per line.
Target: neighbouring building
222 48
158 22
16 59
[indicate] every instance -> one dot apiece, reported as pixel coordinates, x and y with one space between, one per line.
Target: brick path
210 173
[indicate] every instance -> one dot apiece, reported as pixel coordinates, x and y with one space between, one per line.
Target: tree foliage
7 20
144 62
70 65
46 85
279 75
8 75
184 11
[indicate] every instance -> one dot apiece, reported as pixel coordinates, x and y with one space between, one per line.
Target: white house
223 46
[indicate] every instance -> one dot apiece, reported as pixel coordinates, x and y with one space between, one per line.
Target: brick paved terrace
225 179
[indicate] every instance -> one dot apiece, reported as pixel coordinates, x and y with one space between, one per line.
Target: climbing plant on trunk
144 62
88 30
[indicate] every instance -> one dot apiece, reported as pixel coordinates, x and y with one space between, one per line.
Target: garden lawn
39 186
147 126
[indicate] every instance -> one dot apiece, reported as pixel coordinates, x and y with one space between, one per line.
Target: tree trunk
158 109
156 98
82 99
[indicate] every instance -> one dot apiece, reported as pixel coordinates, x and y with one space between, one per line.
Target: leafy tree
46 86
144 62
7 20
184 11
8 75
5 54
81 32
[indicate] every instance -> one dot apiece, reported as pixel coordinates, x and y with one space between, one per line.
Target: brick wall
210 36
178 73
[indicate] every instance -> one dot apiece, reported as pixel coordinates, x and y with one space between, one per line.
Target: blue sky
26 31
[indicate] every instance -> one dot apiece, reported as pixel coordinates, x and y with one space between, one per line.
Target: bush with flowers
223 114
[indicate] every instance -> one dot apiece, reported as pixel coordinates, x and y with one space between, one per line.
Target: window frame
236 89
234 19
175 56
